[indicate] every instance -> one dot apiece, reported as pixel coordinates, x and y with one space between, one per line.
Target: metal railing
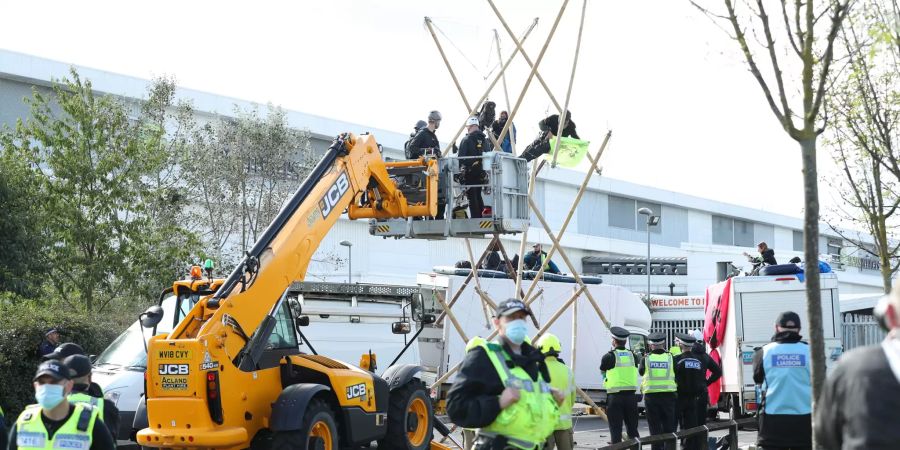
704 430
860 330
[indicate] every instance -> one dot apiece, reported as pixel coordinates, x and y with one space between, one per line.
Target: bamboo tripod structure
495 244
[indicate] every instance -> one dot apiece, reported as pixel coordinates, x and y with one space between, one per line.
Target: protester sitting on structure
493 261
497 128
766 255
537 258
551 124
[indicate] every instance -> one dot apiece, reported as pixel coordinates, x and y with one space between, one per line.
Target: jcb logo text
334 194
173 369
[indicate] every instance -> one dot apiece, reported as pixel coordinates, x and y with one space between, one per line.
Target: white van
749 323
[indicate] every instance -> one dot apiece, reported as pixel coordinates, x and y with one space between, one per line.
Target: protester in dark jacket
859 403
551 124
766 255
536 257
425 140
497 128
473 145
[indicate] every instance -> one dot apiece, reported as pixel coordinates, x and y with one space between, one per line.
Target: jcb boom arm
209 383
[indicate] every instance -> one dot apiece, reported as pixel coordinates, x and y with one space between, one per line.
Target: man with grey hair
858 406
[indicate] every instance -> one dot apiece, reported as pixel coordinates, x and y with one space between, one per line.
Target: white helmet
472 121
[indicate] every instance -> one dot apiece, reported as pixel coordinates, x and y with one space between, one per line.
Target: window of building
743 234
622 212
834 246
722 230
798 241
642 220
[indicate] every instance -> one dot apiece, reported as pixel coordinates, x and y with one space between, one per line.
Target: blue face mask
516 331
49 395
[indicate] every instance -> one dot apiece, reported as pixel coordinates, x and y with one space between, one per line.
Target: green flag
571 151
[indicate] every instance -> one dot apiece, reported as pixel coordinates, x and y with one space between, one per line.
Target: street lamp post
349 246
651 221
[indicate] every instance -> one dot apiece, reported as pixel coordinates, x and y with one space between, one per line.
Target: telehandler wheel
410 423
317 431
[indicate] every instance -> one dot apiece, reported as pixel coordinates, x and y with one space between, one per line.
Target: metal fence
860 330
670 327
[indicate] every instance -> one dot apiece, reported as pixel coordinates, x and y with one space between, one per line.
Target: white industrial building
690 248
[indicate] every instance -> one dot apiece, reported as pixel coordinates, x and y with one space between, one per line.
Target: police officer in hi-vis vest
503 389
657 370
561 378
81 368
621 382
782 369
55 423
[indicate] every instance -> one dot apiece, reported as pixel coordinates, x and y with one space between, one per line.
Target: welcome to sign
677 302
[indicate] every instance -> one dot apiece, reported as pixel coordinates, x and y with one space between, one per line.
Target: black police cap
80 365
620 333
64 351
656 338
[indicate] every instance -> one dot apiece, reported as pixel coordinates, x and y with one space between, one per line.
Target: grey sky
685 113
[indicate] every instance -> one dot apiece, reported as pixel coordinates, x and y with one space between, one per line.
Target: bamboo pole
512 114
453 73
525 55
574 334
587 398
531 182
478 290
440 318
490 87
558 313
565 111
452 317
575 203
512 137
569 264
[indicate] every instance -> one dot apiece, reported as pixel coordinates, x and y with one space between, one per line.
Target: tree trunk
885 261
811 256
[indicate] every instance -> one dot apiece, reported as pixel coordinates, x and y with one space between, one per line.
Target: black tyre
410 423
318 431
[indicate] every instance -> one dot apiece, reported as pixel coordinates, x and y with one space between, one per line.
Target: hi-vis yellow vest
527 423
561 378
659 374
75 434
94 402
623 377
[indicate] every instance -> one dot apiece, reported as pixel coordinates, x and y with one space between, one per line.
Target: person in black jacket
81 368
621 402
425 142
690 376
861 396
472 145
478 396
766 255
493 261
550 124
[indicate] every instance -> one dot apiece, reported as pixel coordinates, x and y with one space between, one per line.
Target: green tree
21 220
865 133
96 160
800 38
241 171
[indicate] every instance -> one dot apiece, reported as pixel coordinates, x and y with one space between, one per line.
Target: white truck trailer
747 322
592 339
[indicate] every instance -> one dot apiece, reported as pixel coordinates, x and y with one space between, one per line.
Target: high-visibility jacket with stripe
659 373
527 423
624 376
75 434
561 378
